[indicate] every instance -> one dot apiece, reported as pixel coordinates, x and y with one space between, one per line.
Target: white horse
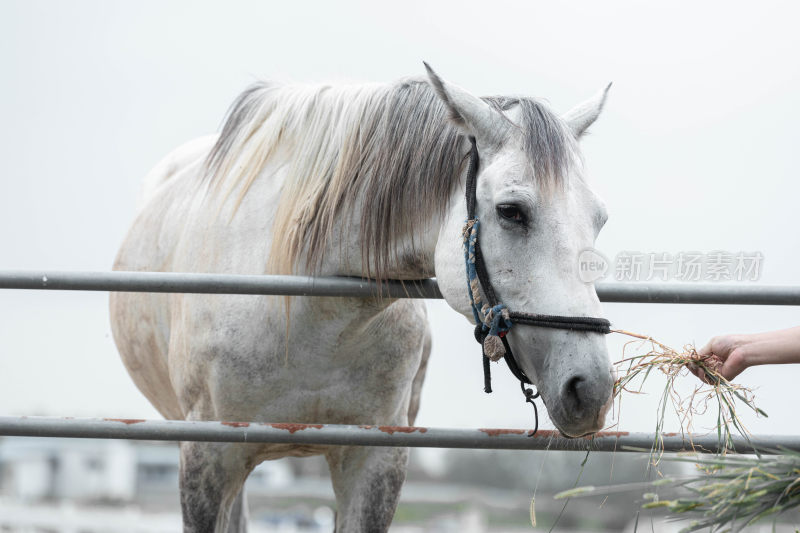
361 180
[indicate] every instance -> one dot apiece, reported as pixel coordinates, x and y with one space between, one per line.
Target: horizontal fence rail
330 434
185 282
180 282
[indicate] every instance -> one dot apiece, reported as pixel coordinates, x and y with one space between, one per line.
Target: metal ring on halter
493 319
529 397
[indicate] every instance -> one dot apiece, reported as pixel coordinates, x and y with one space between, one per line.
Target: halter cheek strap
493 319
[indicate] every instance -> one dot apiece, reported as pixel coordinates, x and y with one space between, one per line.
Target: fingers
722 345
719 345
733 366
728 370
695 369
724 354
707 349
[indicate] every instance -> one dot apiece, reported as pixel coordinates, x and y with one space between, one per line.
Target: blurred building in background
92 485
98 486
101 486
54 469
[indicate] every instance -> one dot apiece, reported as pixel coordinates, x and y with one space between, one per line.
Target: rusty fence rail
332 434
184 282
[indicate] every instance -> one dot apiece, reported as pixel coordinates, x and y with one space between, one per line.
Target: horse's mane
389 146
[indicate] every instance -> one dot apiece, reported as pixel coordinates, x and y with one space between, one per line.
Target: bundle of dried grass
719 393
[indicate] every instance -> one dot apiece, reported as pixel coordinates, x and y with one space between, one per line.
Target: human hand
724 354
735 353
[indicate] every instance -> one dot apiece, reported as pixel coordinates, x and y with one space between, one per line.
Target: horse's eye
512 213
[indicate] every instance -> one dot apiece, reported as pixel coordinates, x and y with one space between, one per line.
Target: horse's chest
336 367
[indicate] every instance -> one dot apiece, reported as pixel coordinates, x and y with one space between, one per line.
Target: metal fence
414 437
327 434
685 293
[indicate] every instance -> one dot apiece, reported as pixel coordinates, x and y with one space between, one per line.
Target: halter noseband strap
492 318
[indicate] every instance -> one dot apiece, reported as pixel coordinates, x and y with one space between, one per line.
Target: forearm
771 347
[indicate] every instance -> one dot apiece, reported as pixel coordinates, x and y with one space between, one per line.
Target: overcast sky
695 151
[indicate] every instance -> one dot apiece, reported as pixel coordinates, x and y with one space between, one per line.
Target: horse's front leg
367 483
212 475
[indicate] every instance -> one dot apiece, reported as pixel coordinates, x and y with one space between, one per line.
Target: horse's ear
583 115
471 114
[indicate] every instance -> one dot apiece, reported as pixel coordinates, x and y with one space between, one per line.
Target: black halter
494 307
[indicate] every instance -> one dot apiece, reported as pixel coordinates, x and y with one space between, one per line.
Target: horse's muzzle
583 402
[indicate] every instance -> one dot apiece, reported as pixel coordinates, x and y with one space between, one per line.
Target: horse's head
536 215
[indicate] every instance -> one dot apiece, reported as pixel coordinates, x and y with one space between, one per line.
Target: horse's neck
410 256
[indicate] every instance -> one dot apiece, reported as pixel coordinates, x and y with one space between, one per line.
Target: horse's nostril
584 400
573 389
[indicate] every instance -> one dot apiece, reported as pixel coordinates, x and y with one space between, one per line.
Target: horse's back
174 163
